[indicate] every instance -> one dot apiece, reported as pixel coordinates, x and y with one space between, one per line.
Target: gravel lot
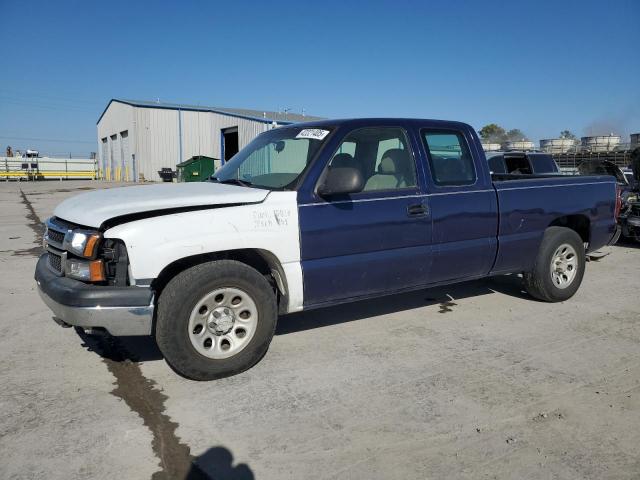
469 381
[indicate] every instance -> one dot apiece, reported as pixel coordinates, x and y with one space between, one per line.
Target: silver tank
600 143
491 147
518 145
557 145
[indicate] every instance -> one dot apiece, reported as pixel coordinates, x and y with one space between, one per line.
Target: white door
126 156
104 160
114 151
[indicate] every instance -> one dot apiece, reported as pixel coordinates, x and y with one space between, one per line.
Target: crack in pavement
36 226
144 398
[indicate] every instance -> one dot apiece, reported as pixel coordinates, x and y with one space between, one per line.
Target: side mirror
279 146
341 181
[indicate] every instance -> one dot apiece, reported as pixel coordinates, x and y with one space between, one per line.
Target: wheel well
579 223
261 260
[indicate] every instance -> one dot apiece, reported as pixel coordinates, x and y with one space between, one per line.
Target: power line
56 140
25 95
49 105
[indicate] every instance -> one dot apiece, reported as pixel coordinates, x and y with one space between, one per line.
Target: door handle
417 210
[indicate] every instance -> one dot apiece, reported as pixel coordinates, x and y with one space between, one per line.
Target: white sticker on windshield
313 133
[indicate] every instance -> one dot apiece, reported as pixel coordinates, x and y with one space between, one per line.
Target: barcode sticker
313 133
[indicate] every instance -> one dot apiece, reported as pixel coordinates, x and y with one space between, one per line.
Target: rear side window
543 164
496 164
449 157
517 164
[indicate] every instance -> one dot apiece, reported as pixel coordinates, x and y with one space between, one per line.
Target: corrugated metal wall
154 138
201 132
156 141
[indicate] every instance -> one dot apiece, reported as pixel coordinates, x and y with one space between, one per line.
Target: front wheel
215 319
559 266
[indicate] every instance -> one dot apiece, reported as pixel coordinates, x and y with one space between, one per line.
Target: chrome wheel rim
223 322
564 266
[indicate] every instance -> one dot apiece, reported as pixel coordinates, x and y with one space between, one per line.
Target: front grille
55 236
55 262
56 231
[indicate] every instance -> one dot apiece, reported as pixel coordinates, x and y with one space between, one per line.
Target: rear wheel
559 266
215 319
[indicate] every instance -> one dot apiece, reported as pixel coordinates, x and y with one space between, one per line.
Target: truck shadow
217 463
444 296
134 349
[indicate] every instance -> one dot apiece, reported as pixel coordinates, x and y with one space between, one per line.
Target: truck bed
528 204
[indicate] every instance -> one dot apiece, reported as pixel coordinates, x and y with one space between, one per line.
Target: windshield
274 159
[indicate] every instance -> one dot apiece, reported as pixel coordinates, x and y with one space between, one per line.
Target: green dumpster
196 169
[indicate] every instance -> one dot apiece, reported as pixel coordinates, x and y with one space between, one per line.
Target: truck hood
92 209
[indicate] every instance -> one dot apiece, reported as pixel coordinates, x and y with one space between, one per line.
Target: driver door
375 241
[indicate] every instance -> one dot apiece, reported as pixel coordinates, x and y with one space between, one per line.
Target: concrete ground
470 381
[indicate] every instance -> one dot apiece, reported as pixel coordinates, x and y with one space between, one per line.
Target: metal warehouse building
138 138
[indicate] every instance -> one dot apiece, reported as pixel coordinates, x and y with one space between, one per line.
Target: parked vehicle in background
628 175
630 219
627 221
604 167
525 163
307 216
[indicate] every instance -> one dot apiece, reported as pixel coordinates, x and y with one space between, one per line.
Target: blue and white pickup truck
306 216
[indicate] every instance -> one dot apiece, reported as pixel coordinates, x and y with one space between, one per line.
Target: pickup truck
306 216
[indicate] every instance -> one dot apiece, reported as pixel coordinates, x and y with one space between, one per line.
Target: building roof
263 116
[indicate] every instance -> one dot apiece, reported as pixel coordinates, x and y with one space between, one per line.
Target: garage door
114 153
104 160
127 170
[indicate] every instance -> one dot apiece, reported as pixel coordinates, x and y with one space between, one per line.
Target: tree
515 135
493 133
567 134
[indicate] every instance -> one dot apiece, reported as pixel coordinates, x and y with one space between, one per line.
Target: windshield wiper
236 181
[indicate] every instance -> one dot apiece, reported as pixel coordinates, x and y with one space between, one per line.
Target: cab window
381 154
449 157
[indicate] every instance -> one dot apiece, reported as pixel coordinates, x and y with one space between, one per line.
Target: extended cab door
378 240
463 204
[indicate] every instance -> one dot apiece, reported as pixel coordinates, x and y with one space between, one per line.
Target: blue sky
539 66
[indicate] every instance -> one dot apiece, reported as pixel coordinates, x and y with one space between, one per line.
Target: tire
544 282
193 341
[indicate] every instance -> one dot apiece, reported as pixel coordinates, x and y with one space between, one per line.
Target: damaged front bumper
122 311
